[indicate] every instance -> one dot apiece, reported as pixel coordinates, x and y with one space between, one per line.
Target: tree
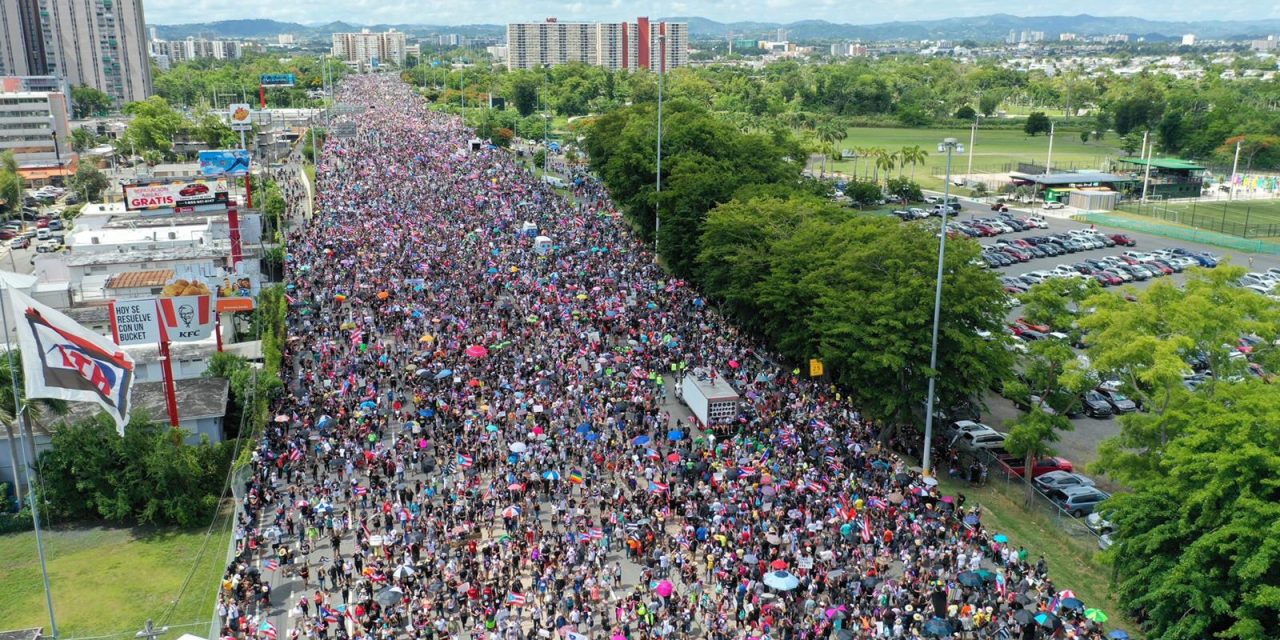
87 102
89 181
885 160
1084 137
1131 143
1037 123
10 182
1057 303
81 139
34 410
863 194
905 188
912 155
1050 385
966 113
988 104
831 134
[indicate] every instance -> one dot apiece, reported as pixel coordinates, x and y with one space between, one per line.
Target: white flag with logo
65 361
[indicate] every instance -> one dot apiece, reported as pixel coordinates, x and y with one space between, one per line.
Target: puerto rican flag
357 337
267 630
658 487
360 491
1000 584
465 461
330 615
596 534
864 525
295 455
817 486
271 565
877 503
515 599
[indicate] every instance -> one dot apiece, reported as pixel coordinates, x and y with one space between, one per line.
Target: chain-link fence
1223 216
1189 234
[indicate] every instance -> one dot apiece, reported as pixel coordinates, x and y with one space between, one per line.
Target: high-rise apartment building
99 43
192 48
612 45
366 48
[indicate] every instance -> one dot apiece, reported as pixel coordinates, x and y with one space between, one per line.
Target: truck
709 396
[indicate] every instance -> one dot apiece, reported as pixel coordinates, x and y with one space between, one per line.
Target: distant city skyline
461 12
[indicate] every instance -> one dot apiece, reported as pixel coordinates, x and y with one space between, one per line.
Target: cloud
503 11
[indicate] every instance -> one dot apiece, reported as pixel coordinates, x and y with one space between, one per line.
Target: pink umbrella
665 588
477 351
733 364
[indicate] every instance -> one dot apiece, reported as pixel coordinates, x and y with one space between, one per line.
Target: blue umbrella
937 627
781 580
583 428
640 441
592 436
368 405
325 422
1119 634
1001 538
444 373
491 428
971 520
551 475
426 413
513 458
1072 604
675 435
969 579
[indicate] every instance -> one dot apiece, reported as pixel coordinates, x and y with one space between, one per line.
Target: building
178 51
37 84
35 126
1055 187
1189 40
285 39
1168 177
1270 44
99 43
1067 37
366 49
612 45
848 50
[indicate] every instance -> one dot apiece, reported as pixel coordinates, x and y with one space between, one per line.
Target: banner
65 361
185 193
278 79
224 162
135 321
187 311
238 288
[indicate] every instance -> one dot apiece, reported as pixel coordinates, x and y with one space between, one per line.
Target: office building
1269 44
366 49
99 43
848 49
285 39
612 45
35 127
178 51
1067 37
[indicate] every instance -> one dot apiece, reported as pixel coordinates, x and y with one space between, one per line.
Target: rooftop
153 255
1166 163
1054 179
716 388
134 279
197 398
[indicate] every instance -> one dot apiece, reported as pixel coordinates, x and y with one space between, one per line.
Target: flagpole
24 427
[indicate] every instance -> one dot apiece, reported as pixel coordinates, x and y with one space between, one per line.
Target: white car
1053 205
1060 479
967 426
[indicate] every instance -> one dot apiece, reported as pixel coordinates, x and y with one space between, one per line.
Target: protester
480 438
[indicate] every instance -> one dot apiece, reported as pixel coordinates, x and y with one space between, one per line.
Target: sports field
993 150
1244 218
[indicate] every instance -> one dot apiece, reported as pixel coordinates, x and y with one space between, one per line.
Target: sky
454 12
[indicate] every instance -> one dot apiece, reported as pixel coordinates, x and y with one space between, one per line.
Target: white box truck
710 397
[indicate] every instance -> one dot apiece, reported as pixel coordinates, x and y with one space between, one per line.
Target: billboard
240 116
235 290
278 80
224 162
134 321
184 193
187 311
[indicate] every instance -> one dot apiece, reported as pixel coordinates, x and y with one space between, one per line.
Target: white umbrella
781 580
403 571
518 447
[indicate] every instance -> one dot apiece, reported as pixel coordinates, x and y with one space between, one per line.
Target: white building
285 39
370 49
36 128
612 45
1189 40
178 51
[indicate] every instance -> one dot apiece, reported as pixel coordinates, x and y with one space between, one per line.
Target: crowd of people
482 437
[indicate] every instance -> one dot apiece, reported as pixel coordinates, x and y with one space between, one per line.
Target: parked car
1119 402
1096 405
1097 522
1105 541
1027 324
999 206
1123 240
1053 205
1078 501
976 441
1042 466
20 242
1061 479
967 426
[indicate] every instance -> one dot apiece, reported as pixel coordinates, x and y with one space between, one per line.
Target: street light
657 203
53 131
949 146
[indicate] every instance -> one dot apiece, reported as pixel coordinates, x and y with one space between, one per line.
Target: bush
863 194
16 522
904 187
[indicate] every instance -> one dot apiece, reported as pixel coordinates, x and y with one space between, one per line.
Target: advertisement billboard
278 80
134 321
236 290
183 193
224 162
187 311
240 116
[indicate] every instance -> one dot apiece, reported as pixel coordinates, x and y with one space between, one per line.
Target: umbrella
894 497
1000 538
970 579
1119 634
844 634
1048 620
675 435
778 565
477 351
403 571
491 428
1023 617
444 373
1072 604
665 588
931 481
583 428
781 580
302 503
389 596
971 520
518 447
640 440
282 418
870 582
1095 615
551 475
673 457
511 512
937 627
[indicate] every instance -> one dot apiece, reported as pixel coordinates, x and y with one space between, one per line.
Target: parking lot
1080 445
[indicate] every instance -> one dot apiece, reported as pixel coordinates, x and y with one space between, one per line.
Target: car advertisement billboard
183 193
224 162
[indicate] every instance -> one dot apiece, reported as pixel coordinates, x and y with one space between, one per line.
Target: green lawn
1261 216
1068 549
995 150
109 581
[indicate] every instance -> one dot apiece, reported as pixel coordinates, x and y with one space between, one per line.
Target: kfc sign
172 195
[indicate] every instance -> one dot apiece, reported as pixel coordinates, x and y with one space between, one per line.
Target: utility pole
1146 176
1048 161
973 134
1235 165
950 146
657 204
150 632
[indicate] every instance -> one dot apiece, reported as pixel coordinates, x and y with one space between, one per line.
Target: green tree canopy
87 102
1036 123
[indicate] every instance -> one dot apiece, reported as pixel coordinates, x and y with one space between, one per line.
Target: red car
195 189
42 223
1108 279
1018 467
1015 253
1027 324
1123 240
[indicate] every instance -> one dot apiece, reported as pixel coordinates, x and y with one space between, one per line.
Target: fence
1000 477
1188 234
1212 217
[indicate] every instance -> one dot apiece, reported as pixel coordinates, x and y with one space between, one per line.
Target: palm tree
830 134
8 376
884 160
913 155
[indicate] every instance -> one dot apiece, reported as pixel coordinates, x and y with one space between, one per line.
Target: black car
1095 405
1119 402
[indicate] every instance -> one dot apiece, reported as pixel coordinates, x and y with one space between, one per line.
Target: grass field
1257 218
108 581
993 149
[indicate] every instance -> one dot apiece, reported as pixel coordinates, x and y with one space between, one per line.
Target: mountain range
980 28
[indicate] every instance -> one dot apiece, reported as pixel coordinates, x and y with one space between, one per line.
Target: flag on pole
272 565
516 599
65 361
576 477
267 630
465 461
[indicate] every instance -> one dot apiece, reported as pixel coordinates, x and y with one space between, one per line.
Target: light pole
949 146
973 134
1048 161
657 202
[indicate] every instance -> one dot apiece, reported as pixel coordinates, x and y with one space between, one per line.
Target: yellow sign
815 368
